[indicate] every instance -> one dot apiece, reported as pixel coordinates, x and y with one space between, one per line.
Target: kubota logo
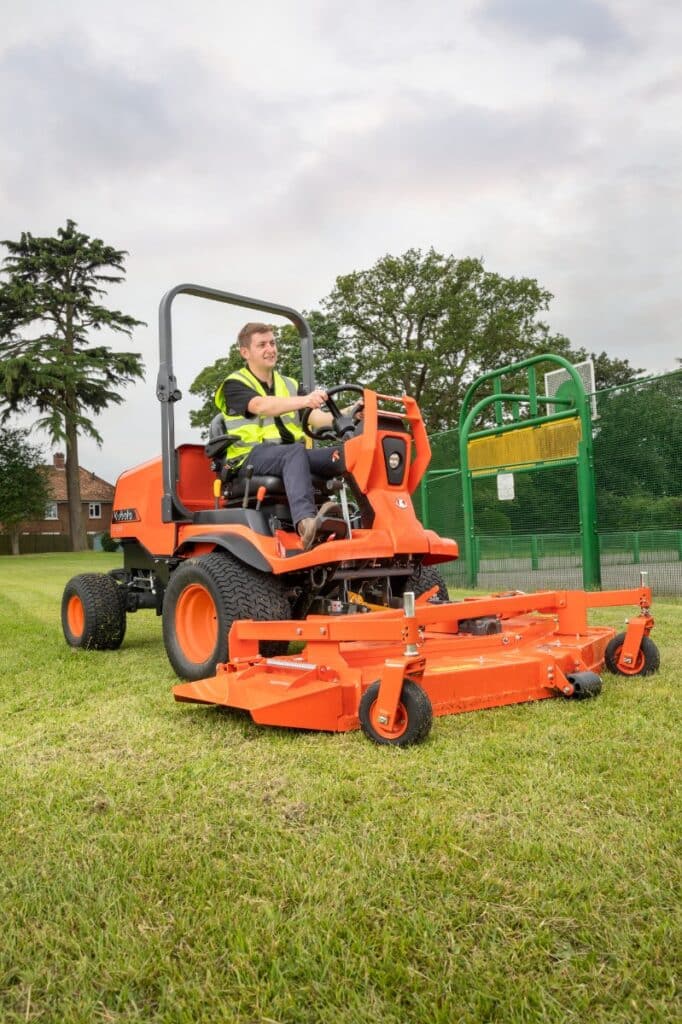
401 503
125 515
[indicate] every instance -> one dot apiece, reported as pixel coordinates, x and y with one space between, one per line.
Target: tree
427 325
23 483
638 440
50 302
608 372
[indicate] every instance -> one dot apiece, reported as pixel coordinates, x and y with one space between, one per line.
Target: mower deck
464 655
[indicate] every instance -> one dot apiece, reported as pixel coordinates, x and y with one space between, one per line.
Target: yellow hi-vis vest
254 430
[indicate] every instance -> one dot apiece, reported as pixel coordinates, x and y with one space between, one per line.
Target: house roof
93 488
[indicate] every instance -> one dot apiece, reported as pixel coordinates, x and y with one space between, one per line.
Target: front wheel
647 661
203 598
94 612
424 579
413 720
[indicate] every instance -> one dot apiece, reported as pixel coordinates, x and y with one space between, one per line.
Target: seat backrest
218 442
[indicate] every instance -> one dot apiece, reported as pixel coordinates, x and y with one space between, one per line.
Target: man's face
261 354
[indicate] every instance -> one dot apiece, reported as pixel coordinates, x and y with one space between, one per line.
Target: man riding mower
206 542
261 411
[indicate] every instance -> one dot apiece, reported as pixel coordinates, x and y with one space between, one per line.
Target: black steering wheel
342 426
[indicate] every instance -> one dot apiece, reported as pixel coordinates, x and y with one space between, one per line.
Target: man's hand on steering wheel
344 421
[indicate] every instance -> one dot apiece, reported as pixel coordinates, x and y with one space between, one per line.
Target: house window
95 510
51 510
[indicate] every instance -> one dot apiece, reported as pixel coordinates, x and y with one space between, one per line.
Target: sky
266 148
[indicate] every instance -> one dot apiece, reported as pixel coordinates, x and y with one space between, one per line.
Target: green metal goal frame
507 411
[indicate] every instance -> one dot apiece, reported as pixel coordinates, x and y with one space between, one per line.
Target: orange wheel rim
75 616
399 726
635 668
196 623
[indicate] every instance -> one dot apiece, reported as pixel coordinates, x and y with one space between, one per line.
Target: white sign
505 486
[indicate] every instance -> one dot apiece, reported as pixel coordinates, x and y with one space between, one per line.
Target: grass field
173 863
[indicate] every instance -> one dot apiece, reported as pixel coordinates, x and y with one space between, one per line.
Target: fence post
476 553
424 500
534 552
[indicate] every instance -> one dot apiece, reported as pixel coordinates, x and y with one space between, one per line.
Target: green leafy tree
427 325
638 455
608 372
24 488
50 304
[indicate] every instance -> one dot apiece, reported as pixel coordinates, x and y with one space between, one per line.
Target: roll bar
167 390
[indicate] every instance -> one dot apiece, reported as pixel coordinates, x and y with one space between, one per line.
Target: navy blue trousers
296 464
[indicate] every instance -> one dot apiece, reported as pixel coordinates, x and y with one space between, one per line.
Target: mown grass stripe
166 863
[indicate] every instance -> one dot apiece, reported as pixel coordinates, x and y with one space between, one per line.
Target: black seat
274 486
234 486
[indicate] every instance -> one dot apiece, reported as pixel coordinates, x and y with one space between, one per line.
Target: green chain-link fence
532 541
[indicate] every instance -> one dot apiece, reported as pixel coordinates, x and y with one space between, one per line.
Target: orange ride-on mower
384 648
204 548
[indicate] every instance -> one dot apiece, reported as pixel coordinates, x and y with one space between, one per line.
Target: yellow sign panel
526 446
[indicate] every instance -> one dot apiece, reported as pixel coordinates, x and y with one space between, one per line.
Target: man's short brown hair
248 331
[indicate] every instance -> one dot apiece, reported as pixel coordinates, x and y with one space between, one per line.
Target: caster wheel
647 662
413 721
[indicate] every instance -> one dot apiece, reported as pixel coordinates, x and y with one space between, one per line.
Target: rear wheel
413 718
647 661
94 612
203 598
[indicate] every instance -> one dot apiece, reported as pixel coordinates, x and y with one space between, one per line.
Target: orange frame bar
392 626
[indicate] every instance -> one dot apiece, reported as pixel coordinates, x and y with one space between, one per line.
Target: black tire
425 578
94 612
585 685
647 662
203 598
413 723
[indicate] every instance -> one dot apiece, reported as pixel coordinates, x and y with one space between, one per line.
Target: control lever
248 474
260 494
345 511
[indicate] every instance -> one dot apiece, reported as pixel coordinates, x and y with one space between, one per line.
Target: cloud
438 149
586 21
268 148
101 122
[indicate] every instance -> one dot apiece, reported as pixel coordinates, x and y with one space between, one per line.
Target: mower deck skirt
543 639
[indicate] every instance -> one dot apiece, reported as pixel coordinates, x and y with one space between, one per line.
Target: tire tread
104 609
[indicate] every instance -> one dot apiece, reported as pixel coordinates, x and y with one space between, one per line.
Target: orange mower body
213 550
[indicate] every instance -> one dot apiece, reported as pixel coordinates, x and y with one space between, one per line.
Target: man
261 409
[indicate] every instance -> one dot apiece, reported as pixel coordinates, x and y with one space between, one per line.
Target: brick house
97 498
